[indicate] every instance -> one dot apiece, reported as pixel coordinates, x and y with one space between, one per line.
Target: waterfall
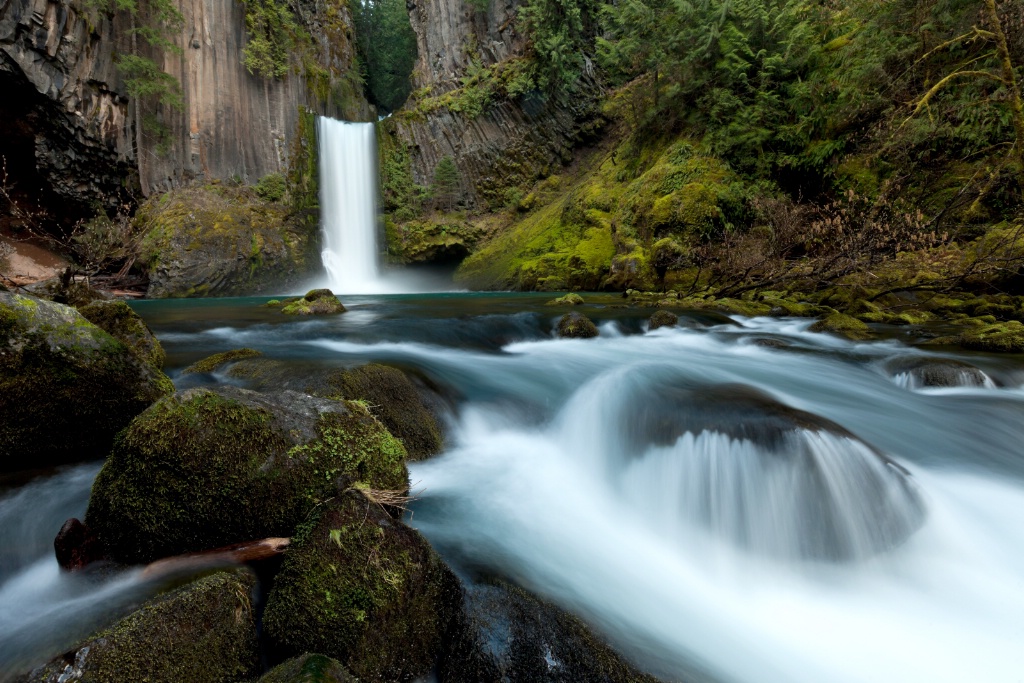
348 205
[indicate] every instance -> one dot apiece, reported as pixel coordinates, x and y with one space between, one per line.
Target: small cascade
348 205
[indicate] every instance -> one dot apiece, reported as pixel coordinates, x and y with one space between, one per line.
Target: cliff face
65 132
510 142
233 123
71 137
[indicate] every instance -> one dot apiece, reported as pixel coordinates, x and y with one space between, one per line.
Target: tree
387 48
996 66
446 181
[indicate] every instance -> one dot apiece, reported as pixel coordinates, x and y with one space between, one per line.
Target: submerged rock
205 469
362 587
117 319
309 669
770 478
203 632
916 372
663 318
66 386
506 634
211 363
576 326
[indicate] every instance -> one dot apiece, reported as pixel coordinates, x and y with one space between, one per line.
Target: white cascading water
348 205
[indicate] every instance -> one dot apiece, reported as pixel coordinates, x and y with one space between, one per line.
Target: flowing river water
727 500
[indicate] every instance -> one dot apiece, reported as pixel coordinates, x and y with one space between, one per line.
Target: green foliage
559 33
446 182
273 36
272 187
387 50
144 78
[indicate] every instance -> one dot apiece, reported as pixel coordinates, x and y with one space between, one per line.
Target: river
730 499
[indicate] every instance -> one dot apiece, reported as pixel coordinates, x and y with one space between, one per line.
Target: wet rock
203 632
771 343
211 363
998 338
118 319
794 484
570 299
506 634
663 318
576 326
204 469
76 546
66 386
315 302
362 587
845 325
309 669
404 403
922 372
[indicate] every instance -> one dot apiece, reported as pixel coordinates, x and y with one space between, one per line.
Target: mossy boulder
203 632
66 386
570 299
217 240
404 404
394 400
998 338
117 319
206 468
309 669
663 318
362 587
506 634
315 302
576 326
843 324
211 363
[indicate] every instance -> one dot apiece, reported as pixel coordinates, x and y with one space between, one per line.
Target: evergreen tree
387 48
446 182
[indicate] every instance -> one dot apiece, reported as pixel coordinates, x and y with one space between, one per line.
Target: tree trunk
1012 85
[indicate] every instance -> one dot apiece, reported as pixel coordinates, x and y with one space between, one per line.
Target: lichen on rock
118 319
211 363
576 326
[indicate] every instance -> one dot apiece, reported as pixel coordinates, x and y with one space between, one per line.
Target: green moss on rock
205 469
66 386
117 319
576 326
223 241
571 299
363 588
309 669
211 363
663 318
843 324
203 632
315 302
999 338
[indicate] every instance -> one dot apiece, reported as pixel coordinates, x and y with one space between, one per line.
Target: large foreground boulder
205 469
506 634
223 241
362 587
203 632
66 386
